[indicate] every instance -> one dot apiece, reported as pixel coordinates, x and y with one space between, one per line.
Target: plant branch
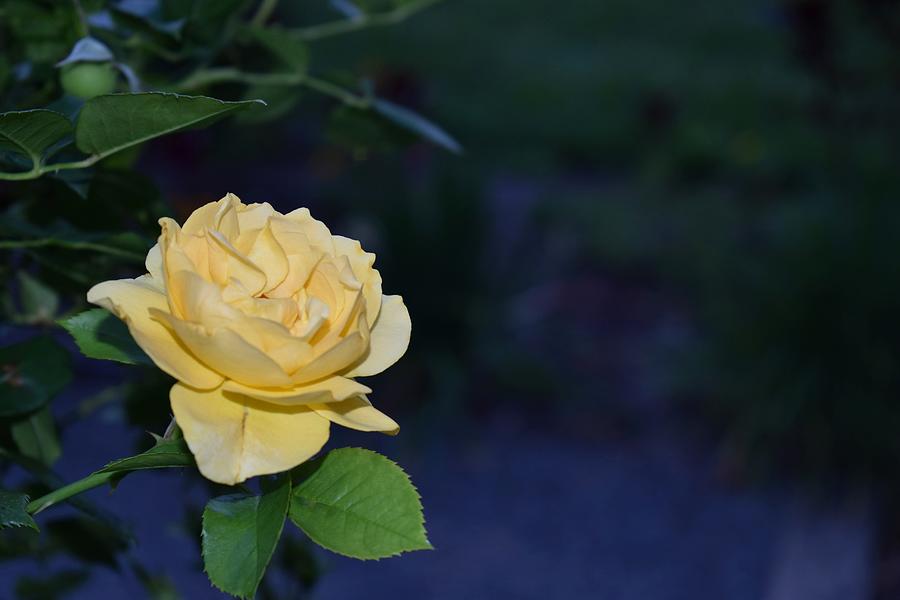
206 77
401 13
263 12
82 19
56 496
72 245
39 169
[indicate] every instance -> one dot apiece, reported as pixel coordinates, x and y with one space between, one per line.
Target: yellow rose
265 320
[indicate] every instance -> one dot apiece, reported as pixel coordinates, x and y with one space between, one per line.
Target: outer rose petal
227 352
316 231
132 300
333 389
234 437
361 262
220 216
389 340
357 413
154 265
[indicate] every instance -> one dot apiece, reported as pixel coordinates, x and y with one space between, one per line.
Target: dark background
655 303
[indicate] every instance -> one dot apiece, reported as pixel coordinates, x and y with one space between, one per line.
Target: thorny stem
67 491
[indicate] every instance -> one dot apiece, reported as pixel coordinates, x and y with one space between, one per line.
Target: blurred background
655 303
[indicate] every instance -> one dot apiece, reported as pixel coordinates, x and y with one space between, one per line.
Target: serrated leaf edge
421 513
287 510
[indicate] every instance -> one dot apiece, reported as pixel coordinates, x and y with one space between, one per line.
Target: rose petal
361 262
357 413
199 301
316 231
389 339
154 266
227 262
268 255
228 353
234 437
333 389
131 300
252 218
218 216
275 341
337 358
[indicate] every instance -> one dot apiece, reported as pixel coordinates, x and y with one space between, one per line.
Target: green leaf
417 124
35 436
240 532
32 132
166 453
12 510
358 503
39 302
108 124
31 373
99 334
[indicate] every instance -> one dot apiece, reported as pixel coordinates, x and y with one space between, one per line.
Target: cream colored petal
389 339
234 437
219 216
357 413
268 255
199 301
254 216
175 262
154 266
316 231
299 269
323 284
275 341
131 300
312 319
227 353
361 262
291 235
336 358
333 389
280 310
227 262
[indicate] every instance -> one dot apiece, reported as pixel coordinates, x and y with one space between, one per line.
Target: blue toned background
656 336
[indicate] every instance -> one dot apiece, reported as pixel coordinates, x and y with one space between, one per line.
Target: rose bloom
265 320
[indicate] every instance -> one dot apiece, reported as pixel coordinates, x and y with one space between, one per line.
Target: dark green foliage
33 372
240 532
99 334
358 503
12 510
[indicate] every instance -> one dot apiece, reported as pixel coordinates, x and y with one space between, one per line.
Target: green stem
206 77
72 245
39 169
82 19
401 13
82 485
263 12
